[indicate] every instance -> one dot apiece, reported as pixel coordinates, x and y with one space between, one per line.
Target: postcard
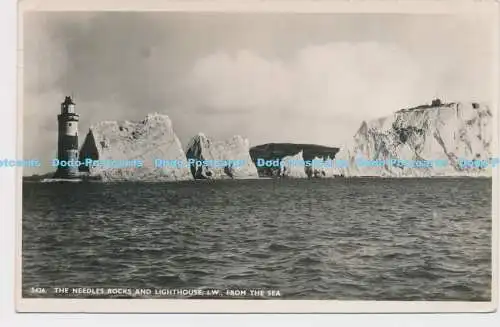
257 156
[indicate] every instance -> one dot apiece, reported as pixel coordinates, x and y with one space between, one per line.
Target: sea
336 239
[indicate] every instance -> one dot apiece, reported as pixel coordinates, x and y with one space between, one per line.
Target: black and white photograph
258 156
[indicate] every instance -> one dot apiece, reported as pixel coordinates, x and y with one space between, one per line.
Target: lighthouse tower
67 149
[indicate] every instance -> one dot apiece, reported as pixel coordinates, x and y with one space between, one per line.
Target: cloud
310 96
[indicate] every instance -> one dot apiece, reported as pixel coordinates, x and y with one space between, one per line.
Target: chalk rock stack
293 166
147 140
235 150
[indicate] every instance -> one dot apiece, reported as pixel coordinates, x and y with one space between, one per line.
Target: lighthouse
67 149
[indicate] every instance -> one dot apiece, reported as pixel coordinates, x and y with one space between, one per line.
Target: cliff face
273 151
443 134
292 168
321 168
220 159
147 140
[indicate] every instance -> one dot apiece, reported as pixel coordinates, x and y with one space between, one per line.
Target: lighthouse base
61 180
65 174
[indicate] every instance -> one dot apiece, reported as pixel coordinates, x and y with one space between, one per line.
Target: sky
270 77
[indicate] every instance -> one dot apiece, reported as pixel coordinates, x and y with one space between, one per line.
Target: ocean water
345 239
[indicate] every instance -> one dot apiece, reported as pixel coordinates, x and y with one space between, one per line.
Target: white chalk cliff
447 132
147 140
293 166
236 151
321 168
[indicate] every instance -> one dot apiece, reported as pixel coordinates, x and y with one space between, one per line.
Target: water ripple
363 239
